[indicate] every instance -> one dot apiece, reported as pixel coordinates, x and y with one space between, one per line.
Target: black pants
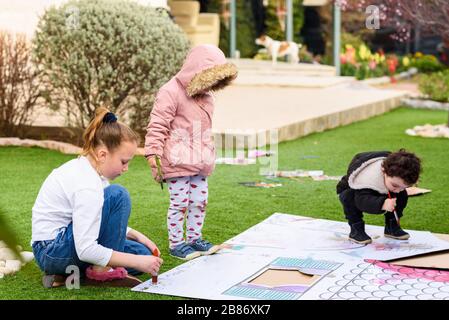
203 5
259 16
352 213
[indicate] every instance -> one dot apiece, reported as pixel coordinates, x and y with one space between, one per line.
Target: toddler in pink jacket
179 142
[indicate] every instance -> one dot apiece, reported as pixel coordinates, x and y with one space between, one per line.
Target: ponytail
105 130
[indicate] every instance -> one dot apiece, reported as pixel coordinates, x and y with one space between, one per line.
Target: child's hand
151 245
389 205
154 168
149 264
152 162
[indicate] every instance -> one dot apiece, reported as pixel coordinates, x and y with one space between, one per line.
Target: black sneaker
394 231
358 234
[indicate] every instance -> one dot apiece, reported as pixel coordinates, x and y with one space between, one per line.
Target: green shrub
245 30
435 86
274 29
107 52
427 63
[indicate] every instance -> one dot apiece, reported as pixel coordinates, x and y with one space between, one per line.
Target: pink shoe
114 274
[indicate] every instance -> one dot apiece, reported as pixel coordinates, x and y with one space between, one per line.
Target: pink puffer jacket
179 131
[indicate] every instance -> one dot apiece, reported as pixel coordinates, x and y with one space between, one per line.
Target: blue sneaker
204 247
184 251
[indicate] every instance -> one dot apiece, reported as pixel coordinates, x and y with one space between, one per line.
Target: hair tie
109 118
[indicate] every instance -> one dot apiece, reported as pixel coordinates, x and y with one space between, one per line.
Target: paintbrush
159 172
394 211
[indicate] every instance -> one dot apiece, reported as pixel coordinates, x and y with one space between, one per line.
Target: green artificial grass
234 208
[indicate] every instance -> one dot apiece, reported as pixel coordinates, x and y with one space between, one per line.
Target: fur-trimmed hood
369 176
358 163
204 66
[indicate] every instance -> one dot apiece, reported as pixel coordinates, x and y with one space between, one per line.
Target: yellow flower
362 52
365 53
376 58
405 61
418 55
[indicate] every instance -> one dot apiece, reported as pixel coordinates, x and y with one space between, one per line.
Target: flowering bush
426 63
362 63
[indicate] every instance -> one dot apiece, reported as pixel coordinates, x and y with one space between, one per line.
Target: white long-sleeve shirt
73 193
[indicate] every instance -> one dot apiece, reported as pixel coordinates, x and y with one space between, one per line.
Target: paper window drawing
283 279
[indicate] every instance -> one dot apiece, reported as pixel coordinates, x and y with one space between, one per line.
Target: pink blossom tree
401 14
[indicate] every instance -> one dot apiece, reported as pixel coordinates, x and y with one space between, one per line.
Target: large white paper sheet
298 234
333 267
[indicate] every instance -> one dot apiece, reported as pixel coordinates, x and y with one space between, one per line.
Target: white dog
280 48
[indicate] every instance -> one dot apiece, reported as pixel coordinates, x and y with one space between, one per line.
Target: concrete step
265 67
256 115
286 80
